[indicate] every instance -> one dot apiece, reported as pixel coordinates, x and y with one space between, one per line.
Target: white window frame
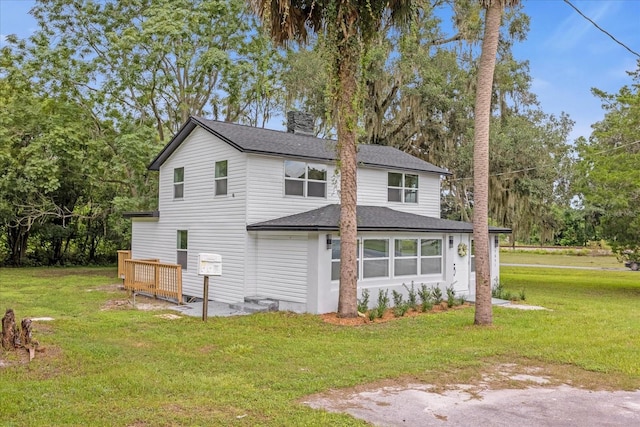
221 178
440 256
397 257
403 189
305 180
178 184
182 253
366 259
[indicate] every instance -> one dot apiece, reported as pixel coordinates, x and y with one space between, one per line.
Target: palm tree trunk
347 119
483 313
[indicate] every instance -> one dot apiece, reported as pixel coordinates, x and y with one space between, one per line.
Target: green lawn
128 367
523 257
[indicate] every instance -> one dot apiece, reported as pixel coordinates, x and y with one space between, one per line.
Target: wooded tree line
94 94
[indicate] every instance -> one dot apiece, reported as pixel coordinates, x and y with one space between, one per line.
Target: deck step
249 307
271 304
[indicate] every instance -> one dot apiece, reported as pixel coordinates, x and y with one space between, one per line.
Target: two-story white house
268 202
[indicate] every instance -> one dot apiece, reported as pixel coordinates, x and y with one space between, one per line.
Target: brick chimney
300 123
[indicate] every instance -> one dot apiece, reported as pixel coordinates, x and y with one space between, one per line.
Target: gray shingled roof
370 218
249 139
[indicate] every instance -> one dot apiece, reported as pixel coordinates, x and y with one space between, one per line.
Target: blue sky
568 56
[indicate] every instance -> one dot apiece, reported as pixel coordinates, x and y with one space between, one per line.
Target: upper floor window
221 178
305 179
402 187
181 248
178 183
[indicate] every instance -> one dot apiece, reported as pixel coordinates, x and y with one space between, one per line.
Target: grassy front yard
132 368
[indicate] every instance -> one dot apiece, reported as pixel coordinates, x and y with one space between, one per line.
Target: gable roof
370 218
249 139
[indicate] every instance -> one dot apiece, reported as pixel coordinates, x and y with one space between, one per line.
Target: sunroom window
375 258
405 257
431 256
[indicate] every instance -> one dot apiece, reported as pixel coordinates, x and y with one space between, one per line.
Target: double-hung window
178 183
375 258
402 187
430 256
405 257
221 178
305 179
181 247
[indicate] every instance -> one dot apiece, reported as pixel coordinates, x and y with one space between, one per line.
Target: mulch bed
388 316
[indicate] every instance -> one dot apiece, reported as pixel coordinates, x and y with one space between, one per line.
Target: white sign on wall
209 265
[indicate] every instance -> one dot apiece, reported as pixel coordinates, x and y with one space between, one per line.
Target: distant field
610 261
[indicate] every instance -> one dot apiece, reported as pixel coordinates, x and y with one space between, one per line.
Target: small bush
383 302
461 300
400 307
451 296
425 298
363 304
436 294
412 297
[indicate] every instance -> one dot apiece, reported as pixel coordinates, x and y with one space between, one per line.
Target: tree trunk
347 119
483 313
10 335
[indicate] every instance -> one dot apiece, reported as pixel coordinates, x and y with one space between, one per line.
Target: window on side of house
405 257
402 187
178 183
335 258
221 178
305 179
375 258
430 256
181 246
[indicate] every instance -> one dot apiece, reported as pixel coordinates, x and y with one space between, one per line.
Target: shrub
425 298
451 296
436 294
383 302
399 306
363 304
412 297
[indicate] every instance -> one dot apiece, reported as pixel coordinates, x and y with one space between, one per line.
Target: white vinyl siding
266 191
282 267
215 224
373 191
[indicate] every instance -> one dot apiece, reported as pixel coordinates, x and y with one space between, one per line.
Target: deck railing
122 255
154 278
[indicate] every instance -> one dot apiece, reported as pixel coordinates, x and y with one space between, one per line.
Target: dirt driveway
509 396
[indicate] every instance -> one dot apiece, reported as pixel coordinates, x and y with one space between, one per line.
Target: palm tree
348 27
484 89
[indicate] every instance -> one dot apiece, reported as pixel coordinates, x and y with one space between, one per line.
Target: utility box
209 265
